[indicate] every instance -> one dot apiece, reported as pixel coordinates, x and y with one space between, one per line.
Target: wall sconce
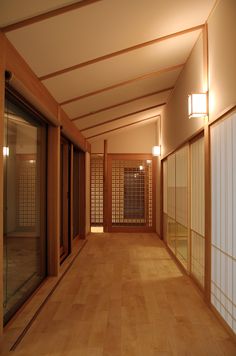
197 105
5 151
156 150
141 168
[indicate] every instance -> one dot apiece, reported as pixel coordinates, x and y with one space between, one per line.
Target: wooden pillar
2 98
53 200
82 194
105 189
207 173
71 222
207 214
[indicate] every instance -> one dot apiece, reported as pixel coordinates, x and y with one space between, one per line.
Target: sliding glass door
24 203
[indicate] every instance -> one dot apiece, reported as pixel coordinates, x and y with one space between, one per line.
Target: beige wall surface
222 58
176 126
135 140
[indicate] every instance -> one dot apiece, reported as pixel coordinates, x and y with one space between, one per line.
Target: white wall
133 140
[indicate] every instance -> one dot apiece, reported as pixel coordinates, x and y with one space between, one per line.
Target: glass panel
24 205
182 244
171 233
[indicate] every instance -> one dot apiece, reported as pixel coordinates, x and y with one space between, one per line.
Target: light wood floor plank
125 296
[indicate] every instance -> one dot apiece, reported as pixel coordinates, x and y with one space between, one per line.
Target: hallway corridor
124 295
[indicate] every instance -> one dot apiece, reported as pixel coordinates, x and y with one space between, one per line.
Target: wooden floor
124 295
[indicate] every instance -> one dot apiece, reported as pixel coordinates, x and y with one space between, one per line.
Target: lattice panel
26 193
96 190
131 193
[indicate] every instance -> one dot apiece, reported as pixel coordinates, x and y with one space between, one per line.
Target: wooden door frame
65 249
130 156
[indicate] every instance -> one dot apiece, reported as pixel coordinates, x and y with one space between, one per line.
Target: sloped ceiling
109 63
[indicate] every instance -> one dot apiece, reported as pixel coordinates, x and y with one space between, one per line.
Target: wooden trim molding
122 117
70 131
129 81
121 127
47 15
120 52
122 103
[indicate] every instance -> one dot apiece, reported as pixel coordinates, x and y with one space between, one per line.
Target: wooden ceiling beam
47 15
118 53
122 103
141 77
123 126
122 117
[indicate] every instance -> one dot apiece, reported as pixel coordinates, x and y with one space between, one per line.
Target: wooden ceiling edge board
120 52
46 15
129 81
122 103
122 117
123 126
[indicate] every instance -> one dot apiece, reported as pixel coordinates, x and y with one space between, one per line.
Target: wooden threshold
129 81
122 103
120 52
122 117
121 127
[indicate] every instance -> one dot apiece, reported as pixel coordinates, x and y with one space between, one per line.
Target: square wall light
156 150
197 105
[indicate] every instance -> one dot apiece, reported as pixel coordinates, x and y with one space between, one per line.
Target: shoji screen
181 196
197 211
175 203
171 202
223 175
165 200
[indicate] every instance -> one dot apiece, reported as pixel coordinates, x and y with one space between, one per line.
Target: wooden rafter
123 126
47 15
129 81
120 52
121 103
122 117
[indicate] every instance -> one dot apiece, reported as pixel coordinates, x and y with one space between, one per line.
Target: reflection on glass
182 244
171 234
24 223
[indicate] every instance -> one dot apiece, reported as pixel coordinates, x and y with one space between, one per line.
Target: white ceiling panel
125 121
12 11
101 28
120 131
120 94
123 110
118 69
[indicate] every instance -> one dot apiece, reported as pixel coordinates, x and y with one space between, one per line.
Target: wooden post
82 194
105 189
53 200
207 174
2 98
